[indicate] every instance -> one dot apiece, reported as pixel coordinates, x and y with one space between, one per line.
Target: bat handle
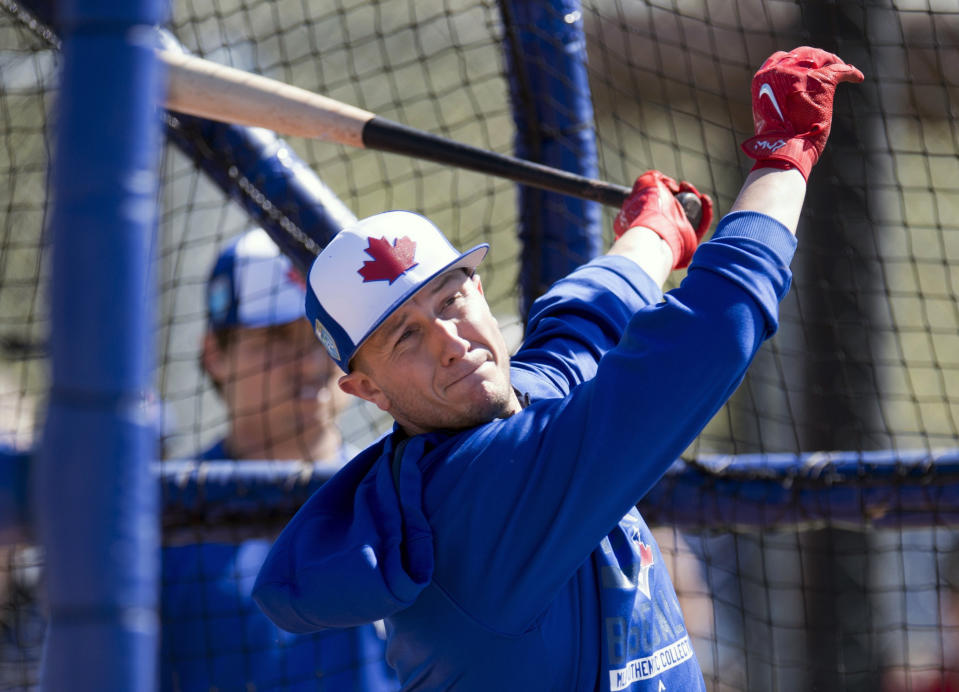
613 195
692 206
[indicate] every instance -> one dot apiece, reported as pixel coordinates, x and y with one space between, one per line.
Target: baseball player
494 529
279 388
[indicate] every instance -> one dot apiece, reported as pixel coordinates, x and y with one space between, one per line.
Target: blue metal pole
553 111
279 191
97 502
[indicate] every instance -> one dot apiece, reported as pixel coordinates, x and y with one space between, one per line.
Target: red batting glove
792 107
653 204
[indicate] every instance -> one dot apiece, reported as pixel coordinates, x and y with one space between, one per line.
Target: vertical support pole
96 500
840 376
553 110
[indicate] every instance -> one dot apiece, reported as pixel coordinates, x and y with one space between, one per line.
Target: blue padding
279 191
878 488
552 107
233 489
757 491
95 498
275 187
884 488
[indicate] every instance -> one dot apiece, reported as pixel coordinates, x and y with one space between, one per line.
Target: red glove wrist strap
793 153
778 164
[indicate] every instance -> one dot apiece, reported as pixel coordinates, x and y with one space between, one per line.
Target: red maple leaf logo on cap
389 262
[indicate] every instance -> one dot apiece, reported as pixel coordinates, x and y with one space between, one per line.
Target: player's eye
404 336
452 300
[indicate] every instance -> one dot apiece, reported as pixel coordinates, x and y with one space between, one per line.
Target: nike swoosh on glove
792 99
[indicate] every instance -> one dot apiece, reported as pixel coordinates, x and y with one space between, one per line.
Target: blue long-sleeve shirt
511 556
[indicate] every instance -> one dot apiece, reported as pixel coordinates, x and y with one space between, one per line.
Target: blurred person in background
279 390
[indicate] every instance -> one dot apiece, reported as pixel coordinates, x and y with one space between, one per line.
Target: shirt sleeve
532 495
574 324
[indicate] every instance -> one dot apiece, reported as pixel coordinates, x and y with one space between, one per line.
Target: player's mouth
469 371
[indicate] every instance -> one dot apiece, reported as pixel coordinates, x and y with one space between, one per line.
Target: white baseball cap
253 284
369 270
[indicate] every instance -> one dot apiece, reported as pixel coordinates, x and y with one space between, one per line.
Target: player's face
439 362
280 381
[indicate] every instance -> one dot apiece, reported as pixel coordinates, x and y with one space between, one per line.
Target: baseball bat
218 92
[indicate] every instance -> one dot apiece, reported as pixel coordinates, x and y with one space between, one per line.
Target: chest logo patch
646 561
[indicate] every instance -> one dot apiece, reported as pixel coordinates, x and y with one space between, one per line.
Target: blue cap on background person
369 270
253 284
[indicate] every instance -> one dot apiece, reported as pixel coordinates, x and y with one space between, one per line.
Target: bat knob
692 206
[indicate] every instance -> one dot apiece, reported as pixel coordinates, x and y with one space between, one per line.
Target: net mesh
866 359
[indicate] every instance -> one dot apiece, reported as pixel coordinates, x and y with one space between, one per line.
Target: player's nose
449 343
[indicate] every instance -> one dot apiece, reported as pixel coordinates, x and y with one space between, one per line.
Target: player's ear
478 281
213 358
359 384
